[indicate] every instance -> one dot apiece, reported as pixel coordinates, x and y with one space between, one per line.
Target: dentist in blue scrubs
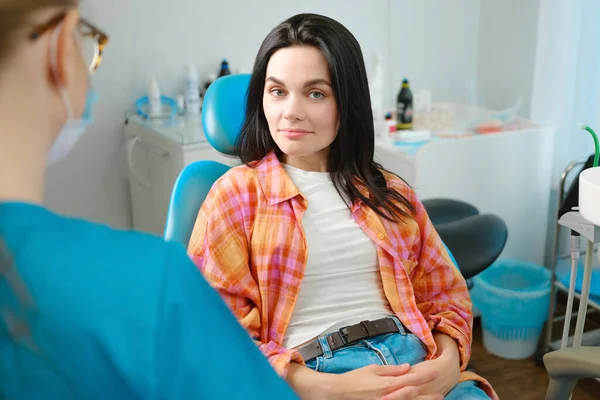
86 311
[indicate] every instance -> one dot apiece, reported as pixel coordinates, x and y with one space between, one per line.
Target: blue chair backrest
223 113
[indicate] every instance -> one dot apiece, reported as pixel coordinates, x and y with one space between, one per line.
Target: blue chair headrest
223 111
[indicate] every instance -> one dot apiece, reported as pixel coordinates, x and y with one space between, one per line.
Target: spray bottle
192 93
154 104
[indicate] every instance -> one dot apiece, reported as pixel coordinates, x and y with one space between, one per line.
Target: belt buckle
344 334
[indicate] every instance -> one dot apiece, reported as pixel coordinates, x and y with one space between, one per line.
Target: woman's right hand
376 382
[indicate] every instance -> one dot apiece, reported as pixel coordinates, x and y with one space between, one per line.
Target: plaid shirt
249 244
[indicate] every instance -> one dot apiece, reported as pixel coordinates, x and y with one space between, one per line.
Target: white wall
433 43
507 48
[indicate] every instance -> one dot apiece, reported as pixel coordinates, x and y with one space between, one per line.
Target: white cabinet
156 154
506 173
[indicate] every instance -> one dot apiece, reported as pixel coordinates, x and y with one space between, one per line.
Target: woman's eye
316 95
277 92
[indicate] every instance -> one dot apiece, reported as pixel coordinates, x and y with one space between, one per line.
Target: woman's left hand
448 376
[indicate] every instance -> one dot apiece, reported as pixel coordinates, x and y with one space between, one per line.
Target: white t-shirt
342 282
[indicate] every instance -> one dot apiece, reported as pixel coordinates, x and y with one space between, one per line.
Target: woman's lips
295 133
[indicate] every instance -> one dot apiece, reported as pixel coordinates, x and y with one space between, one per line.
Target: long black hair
351 153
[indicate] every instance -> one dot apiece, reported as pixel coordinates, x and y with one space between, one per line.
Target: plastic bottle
180 105
224 69
192 93
404 107
154 104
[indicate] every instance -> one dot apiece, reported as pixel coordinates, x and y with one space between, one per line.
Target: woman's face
300 106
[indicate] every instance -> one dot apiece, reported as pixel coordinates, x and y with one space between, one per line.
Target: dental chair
474 240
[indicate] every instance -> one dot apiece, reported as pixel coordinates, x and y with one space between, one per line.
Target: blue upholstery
222 117
223 111
452 257
189 192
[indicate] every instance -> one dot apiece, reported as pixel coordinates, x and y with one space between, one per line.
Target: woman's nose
294 109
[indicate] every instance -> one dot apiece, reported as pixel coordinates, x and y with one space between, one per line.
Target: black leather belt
349 335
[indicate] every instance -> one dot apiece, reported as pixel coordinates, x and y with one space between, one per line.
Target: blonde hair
14 19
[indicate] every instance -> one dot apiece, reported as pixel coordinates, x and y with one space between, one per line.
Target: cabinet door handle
132 172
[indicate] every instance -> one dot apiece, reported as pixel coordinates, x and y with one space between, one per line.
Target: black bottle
404 107
224 69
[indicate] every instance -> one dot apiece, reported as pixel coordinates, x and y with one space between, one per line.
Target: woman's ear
66 48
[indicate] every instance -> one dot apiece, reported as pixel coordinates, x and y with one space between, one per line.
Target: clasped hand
428 380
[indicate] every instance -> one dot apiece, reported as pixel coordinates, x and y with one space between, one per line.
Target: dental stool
442 210
474 240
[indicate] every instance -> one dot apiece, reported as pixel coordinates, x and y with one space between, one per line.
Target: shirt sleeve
440 289
219 248
202 350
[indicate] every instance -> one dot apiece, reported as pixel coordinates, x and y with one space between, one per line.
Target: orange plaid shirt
249 244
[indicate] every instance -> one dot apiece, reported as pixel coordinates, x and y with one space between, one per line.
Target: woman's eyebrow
311 82
275 80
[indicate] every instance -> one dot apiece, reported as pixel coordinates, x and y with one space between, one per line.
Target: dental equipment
567 365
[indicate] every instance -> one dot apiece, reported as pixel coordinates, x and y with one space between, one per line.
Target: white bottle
154 104
192 91
180 104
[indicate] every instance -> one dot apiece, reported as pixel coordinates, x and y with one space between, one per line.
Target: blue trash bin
513 298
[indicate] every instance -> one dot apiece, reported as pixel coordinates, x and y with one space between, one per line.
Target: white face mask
73 128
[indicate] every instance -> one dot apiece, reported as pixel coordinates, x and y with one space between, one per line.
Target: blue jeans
389 349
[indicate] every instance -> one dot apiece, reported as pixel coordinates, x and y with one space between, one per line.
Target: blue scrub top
90 312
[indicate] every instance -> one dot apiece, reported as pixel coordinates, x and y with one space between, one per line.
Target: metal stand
592 337
567 365
574 221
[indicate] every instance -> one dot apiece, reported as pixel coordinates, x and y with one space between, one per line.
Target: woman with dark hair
329 261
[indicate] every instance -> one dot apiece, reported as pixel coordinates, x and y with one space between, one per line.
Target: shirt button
380 235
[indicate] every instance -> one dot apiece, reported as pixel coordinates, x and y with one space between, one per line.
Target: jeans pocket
418 341
406 348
